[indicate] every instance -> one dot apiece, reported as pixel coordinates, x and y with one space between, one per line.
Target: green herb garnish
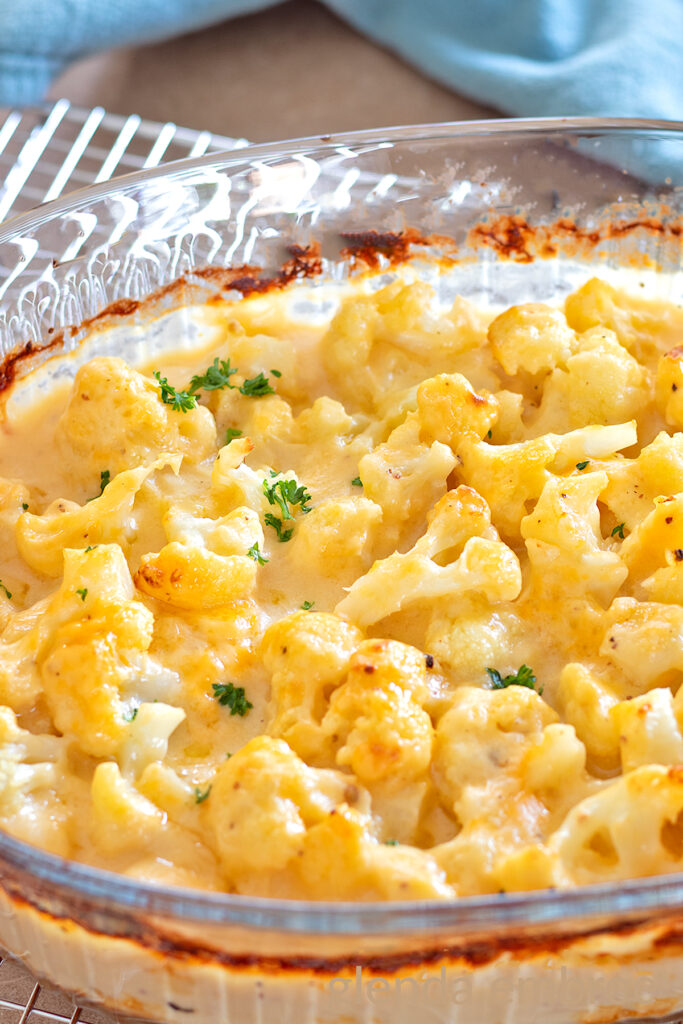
231 434
180 401
618 531
233 697
524 676
307 605
200 797
3 587
24 505
582 465
282 534
131 716
82 593
276 373
214 378
257 555
256 387
357 482
391 842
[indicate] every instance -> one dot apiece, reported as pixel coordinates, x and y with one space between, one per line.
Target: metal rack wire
45 152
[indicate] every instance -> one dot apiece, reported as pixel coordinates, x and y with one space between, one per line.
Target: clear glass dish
510 212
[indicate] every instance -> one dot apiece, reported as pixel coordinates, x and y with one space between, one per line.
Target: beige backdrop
292 70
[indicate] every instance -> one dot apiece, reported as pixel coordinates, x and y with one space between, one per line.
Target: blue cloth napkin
529 57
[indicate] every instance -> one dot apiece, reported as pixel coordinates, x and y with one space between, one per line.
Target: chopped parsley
24 505
131 716
233 697
90 547
257 555
357 482
214 378
307 605
286 494
180 401
524 676
582 465
231 434
618 531
391 842
489 434
105 480
200 797
82 593
276 373
282 534
255 387
7 593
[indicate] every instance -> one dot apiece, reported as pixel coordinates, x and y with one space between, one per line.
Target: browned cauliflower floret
308 655
533 337
116 418
376 719
450 409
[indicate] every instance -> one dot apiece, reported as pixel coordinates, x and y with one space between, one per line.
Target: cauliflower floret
669 387
405 477
27 762
646 328
115 418
507 769
450 409
564 542
376 718
634 485
471 634
337 537
648 730
191 577
122 819
64 524
263 800
390 340
630 829
91 649
533 337
459 533
147 736
586 701
645 640
602 383
653 552
308 655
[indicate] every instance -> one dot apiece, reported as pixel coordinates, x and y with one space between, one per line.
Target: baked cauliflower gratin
386 609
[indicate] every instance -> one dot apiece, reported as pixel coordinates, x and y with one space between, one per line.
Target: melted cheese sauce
386 607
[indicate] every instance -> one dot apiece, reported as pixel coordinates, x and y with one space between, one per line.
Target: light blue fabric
529 57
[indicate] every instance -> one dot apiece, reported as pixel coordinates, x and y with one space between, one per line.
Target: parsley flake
24 505
357 482
200 797
489 435
82 593
90 547
256 387
282 534
214 378
307 605
180 401
7 593
233 697
105 480
257 555
391 842
131 716
276 373
582 465
618 531
524 676
231 434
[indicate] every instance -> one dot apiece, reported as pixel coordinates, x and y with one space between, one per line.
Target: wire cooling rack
45 152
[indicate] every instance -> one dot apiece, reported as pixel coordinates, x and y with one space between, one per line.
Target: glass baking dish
500 212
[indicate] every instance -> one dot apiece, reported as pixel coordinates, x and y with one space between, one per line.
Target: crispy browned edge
510 237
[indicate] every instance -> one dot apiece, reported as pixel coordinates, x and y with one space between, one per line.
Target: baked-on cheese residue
389 609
